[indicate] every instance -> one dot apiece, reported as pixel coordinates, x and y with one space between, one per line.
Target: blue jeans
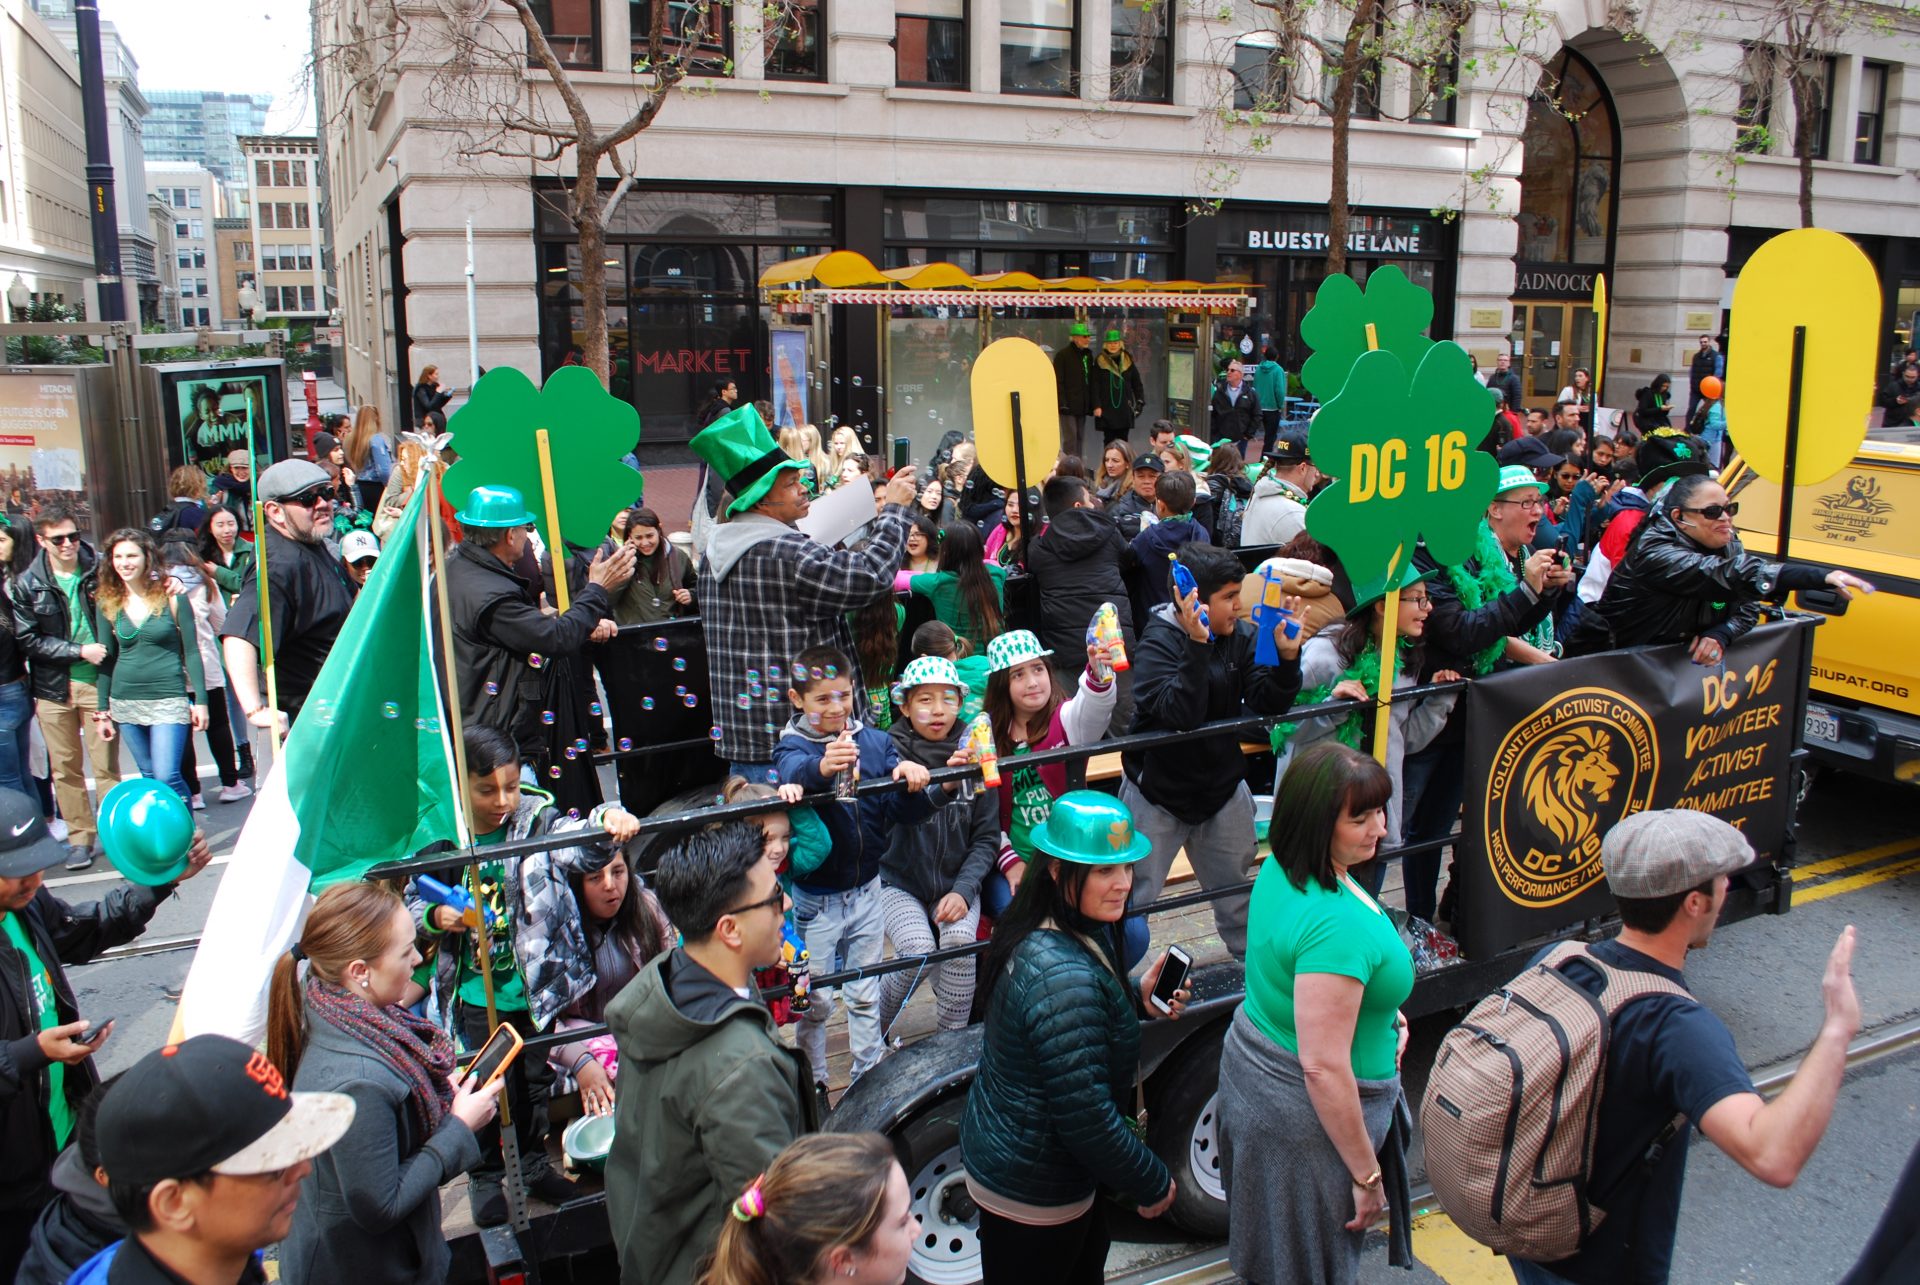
1533 1274
161 743
1135 936
842 930
16 722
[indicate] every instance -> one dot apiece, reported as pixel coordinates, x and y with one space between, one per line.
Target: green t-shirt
509 988
949 606
79 625
46 1010
1032 802
1291 931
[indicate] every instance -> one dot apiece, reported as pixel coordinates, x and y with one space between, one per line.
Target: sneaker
199 803
57 827
822 1100
235 793
554 1188
489 1206
78 858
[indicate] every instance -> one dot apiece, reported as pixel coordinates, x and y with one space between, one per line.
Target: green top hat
1079 329
495 507
1090 828
1374 590
1517 477
739 448
1114 337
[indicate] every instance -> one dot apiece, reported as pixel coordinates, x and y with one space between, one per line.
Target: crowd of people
356 1115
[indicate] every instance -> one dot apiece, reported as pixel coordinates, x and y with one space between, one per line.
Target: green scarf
1477 588
1364 670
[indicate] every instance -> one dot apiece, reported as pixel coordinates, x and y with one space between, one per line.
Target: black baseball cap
1529 451
1289 447
1148 461
211 1103
25 846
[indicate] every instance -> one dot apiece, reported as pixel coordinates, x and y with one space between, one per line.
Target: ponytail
826 1191
348 922
286 1017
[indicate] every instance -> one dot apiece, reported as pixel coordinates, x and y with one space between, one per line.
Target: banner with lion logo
1557 754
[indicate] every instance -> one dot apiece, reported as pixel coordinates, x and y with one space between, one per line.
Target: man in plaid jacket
769 592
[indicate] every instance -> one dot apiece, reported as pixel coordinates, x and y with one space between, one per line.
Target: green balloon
146 830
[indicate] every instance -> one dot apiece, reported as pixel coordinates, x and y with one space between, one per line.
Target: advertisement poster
214 417
789 377
41 456
1552 767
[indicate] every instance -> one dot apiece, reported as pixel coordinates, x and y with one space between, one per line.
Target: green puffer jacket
1046 1118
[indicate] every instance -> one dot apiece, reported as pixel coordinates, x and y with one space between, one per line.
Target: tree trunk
1341 109
1804 114
587 216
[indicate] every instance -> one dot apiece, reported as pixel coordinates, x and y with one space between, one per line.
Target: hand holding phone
495 1056
1165 997
96 1033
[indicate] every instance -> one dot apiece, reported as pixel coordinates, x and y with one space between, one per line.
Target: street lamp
19 297
249 300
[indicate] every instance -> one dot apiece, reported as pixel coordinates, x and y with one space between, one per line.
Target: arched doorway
1569 201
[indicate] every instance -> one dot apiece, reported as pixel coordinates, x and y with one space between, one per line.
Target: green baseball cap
1516 477
741 450
1090 828
494 508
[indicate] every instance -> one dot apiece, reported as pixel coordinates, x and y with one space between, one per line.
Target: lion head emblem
1571 771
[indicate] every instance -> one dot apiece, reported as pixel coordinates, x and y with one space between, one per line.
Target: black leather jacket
1669 589
42 630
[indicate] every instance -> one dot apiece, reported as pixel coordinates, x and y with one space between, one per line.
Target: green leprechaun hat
739 448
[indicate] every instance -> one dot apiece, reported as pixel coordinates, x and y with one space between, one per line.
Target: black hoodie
952 850
1076 563
79 1223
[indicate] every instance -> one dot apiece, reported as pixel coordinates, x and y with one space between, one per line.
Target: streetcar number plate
1822 725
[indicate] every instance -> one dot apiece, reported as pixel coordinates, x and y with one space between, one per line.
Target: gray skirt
1289 1194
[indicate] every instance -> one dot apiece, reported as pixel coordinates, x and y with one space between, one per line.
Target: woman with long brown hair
832 1207
663 576
369 453
153 689
399 489
968 592
369 1212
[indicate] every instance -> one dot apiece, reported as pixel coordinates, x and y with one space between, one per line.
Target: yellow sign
1488 318
1704 323
1818 280
1600 332
1008 366
1561 779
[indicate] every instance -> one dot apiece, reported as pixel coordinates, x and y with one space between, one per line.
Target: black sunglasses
776 901
65 537
306 499
1714 512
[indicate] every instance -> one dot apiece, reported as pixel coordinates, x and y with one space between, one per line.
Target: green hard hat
495 507
1115 337
1091 828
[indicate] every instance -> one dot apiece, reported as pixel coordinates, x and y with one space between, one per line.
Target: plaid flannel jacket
779 598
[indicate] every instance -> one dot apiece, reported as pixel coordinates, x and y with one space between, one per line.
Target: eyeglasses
64 537
1422 603
1531 505
775 901
306 499
1714 512
363 564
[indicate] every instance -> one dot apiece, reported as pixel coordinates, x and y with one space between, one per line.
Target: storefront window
1037 42
1142 57
572 31
930 44
1568 175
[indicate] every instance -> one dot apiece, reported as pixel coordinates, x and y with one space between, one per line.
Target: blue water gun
1268 614
798 963
1184 584
456 898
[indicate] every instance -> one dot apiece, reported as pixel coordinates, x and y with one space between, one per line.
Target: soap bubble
680 690
770 729
626 743
858 382
660 644
554 771
646 702
773 673
714 733
908 400
594 709
744 701
546 716
753 675
390 710
573 814
537 661
493 689
690 700
680 663
572 753
833 671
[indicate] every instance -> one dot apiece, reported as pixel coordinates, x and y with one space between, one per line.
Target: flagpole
1389 634
557 549
261 587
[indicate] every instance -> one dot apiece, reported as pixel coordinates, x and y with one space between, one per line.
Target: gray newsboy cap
1669 850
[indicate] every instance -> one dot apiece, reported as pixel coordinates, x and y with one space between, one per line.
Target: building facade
1102 139
284 200
233 267
204 127
194 198
45 239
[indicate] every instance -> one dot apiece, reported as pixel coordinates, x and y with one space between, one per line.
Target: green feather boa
1477 588
1364 670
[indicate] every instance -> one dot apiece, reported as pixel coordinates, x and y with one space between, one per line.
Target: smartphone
95 1033
1173 976
496 1055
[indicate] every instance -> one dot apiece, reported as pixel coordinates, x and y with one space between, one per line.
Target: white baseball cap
356 545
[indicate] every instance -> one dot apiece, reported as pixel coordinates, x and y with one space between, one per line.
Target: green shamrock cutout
1407 462
1335 328
588 432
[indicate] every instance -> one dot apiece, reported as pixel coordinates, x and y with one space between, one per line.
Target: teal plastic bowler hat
146 830
1091 828
494 507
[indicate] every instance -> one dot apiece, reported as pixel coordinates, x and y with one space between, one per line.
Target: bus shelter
930 321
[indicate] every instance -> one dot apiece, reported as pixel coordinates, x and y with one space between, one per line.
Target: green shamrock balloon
588 431
1407 462
1335 328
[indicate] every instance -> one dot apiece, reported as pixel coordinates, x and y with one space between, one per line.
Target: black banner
1556 754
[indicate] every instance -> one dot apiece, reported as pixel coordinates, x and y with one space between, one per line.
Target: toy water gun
1184 584
981 749
798 963
1269 613
1105 630
457 898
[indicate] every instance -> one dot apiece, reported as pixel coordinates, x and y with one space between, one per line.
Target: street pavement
1859 864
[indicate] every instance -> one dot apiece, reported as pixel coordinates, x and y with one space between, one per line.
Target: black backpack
172 518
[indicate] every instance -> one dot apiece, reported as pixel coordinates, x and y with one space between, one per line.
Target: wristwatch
1369 1182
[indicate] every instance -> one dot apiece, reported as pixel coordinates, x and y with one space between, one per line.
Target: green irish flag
366 776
